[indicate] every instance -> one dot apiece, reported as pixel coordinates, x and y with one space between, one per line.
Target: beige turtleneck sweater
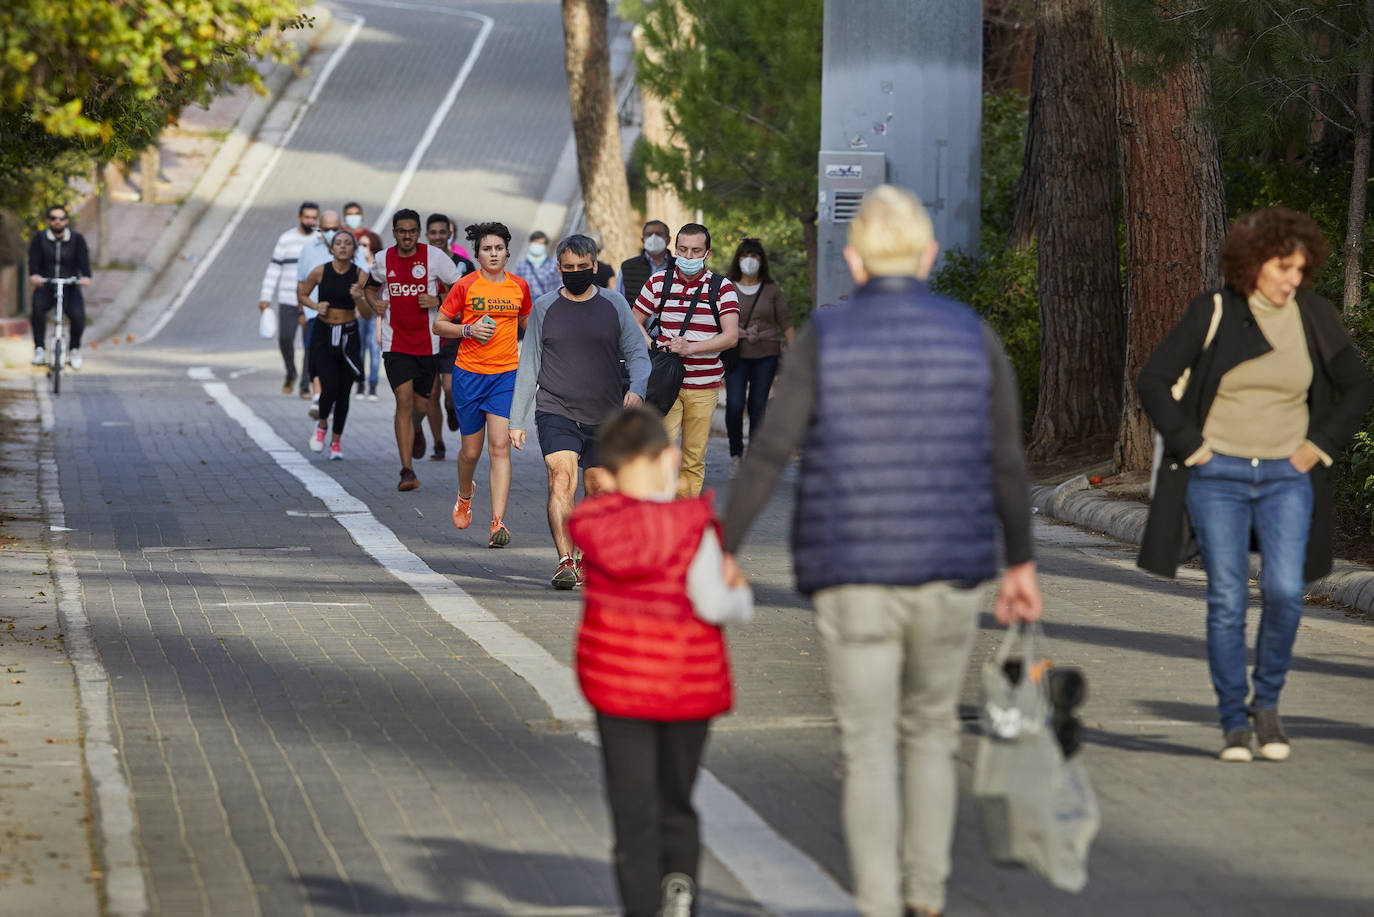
1261 406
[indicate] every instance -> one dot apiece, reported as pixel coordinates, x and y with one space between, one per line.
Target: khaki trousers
691 416
895 659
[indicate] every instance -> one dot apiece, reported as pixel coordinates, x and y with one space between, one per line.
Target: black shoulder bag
666 371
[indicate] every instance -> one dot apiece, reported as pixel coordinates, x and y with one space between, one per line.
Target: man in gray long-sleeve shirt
905 408
569 373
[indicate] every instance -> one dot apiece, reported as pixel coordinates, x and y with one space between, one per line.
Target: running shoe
500 535
417 445
581 576
408 480
438 452
335 452
315 407
565 577
40 356
289 384
317 439
462 511
372 392
360 395
74 359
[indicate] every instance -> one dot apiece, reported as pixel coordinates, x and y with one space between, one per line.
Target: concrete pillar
905 80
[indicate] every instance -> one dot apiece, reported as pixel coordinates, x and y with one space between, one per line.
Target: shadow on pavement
476 879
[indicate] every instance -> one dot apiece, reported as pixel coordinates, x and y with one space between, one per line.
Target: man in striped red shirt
714 327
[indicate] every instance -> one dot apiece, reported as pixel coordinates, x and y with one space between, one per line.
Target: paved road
312 724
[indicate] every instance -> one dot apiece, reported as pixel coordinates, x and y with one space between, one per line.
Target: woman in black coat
1274 391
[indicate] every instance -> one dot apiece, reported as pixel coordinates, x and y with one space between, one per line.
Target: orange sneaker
462 510
500 535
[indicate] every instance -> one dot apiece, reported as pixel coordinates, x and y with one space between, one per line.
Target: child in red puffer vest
651 656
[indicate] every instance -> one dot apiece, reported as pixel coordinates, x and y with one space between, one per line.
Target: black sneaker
1237 745
1273 744
408 480
678 892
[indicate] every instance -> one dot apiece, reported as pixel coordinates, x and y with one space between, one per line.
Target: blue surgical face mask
690 267
354 220
328 235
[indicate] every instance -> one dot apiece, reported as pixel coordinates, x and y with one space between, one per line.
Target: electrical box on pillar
844 176
901 81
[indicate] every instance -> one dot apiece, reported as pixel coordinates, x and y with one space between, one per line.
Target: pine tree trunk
596 128
1175 207
1073 128
1359 184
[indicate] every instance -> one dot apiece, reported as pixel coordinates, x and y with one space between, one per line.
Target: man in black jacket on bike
58 251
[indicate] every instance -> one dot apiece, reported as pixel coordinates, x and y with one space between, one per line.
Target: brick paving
302 734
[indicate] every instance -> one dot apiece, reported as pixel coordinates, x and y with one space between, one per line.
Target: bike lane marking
774 872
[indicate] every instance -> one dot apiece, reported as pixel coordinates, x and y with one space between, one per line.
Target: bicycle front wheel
55 372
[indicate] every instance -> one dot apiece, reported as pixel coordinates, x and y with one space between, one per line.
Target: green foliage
741 84
92 80
999 280
781 238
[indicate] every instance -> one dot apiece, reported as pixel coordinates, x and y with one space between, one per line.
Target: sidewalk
1080 503
47 861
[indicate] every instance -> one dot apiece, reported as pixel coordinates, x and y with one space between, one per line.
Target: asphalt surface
303 733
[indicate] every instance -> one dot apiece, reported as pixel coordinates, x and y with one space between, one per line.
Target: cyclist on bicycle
58 251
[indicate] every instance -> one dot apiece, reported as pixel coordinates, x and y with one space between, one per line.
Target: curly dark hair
479 231
1274 232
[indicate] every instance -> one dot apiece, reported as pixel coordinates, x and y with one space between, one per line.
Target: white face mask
353 220
655 245
749 266
538 251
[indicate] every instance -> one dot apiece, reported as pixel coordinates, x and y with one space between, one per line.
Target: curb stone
1078 503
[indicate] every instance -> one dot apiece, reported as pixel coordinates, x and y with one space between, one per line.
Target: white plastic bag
1037 809
267 323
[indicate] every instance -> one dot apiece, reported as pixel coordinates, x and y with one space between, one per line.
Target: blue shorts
475 395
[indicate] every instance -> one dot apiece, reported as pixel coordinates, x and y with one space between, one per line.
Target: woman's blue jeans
1228 497
747 384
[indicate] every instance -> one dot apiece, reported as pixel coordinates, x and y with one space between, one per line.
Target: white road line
228 231
775 873
125 892
445 106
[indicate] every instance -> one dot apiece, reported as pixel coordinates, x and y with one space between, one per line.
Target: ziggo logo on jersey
406 289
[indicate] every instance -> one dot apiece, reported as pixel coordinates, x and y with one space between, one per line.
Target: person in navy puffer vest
905 408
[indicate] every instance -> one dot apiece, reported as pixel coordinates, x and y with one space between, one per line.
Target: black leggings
650 769
336 358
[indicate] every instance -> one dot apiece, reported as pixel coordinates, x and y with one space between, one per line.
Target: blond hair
891 231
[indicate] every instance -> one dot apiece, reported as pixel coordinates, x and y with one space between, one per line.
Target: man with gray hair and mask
569 373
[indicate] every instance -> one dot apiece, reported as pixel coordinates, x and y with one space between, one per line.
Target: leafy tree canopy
84 80
741 80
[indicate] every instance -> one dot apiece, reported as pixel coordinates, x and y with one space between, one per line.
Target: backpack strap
712 296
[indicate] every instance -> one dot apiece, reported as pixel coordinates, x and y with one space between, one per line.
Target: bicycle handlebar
61 280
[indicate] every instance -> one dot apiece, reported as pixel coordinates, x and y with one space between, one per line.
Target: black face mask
578 282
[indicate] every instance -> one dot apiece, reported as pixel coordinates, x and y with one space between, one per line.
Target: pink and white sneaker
335 452
317 439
